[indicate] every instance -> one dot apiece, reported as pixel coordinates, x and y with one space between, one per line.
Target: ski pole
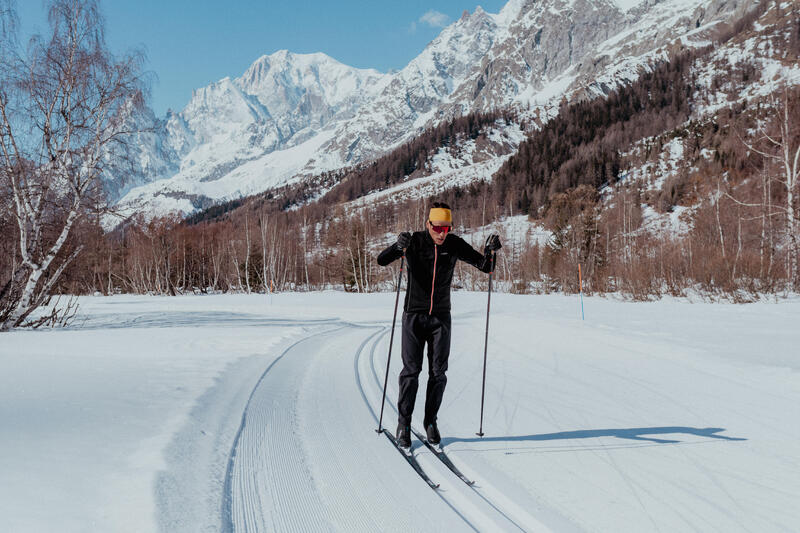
485 346
391 339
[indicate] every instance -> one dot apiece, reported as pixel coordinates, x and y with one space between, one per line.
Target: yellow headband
440 214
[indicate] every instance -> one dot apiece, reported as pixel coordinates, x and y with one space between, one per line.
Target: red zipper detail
433 282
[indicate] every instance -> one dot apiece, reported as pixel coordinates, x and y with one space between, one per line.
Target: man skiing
431 256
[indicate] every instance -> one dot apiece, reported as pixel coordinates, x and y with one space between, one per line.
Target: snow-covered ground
235 412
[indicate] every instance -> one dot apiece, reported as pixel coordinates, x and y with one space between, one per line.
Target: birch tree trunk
63 102
247 253
305 249
783 149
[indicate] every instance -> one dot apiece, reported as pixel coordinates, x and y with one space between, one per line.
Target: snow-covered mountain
281 101
291 115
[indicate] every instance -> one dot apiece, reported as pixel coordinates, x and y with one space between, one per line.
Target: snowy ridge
433 184
775 72
413 97
293 115
469 164
651 176
240 136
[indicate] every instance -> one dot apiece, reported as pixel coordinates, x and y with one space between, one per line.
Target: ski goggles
440 229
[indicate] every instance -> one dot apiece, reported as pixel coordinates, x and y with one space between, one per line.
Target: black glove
403 240
492 244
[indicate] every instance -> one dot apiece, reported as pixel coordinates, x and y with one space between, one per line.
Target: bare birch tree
783 148
62 104
247 254
263 221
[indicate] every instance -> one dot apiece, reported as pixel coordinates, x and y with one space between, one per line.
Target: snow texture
237 412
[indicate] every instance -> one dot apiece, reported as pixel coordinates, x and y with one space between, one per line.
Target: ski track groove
375 417
281 480
529 524
334 468
291 470
243 470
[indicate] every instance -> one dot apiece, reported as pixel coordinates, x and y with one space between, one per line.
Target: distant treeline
735 236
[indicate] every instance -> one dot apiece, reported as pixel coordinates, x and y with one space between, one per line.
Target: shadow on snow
171 319
638 434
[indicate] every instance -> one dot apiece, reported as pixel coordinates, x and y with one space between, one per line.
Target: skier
431 256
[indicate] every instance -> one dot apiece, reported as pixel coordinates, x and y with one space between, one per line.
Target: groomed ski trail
306 457
484 504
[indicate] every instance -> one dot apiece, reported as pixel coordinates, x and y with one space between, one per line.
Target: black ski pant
419 330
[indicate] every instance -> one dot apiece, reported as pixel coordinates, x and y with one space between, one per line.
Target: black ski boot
403 436
433 434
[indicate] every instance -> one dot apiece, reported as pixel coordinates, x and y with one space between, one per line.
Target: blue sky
189 44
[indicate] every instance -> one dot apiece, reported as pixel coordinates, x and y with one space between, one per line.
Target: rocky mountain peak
292 115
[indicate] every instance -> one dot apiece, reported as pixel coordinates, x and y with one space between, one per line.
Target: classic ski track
377 336
453 482
301 477
227 502
373 457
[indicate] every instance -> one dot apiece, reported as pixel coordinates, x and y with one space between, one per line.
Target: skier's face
438 231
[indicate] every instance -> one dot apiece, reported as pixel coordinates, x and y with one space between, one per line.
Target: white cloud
434 19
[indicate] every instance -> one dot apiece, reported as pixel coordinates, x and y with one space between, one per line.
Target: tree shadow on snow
172 319
637 434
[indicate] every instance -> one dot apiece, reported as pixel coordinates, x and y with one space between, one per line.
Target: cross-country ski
439 453
409 456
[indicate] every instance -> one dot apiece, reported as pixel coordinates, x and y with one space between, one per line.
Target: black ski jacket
430 269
